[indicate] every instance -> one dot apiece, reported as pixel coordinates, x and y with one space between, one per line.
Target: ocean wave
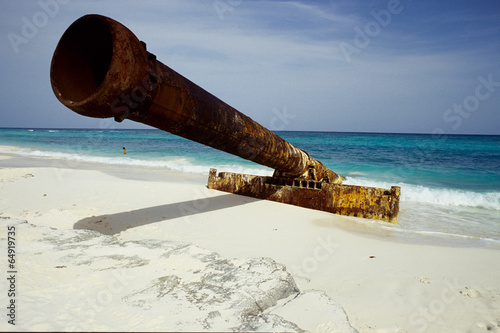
438 196
356 173
181 164
409 192
448 237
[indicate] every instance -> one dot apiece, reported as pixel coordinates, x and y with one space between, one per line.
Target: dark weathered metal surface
100 69
350 200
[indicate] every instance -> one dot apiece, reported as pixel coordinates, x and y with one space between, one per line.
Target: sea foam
175 163
409 192
439 196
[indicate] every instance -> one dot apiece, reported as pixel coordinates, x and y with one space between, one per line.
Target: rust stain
360 201
101 69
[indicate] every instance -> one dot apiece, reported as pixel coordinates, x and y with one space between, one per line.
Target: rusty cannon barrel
100 69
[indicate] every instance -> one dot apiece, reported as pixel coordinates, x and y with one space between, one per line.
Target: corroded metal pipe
351 200
100 69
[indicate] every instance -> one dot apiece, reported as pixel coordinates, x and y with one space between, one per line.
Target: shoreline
365 227
382 284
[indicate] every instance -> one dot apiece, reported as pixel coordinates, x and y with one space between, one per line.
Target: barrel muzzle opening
100 69
81 60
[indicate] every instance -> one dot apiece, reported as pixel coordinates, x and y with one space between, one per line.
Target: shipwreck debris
100 69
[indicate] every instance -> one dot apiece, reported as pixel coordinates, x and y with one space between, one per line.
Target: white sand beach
122 249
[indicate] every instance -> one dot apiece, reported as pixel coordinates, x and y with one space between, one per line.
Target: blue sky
366 66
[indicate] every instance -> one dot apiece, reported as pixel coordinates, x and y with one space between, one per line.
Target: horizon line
277 131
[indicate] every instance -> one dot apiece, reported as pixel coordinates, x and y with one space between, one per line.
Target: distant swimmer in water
124 151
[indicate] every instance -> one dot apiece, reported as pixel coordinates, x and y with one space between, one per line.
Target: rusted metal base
350 200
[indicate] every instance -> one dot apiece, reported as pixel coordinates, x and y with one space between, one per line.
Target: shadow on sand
111 224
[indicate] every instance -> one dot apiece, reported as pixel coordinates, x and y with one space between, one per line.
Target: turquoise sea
450 185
